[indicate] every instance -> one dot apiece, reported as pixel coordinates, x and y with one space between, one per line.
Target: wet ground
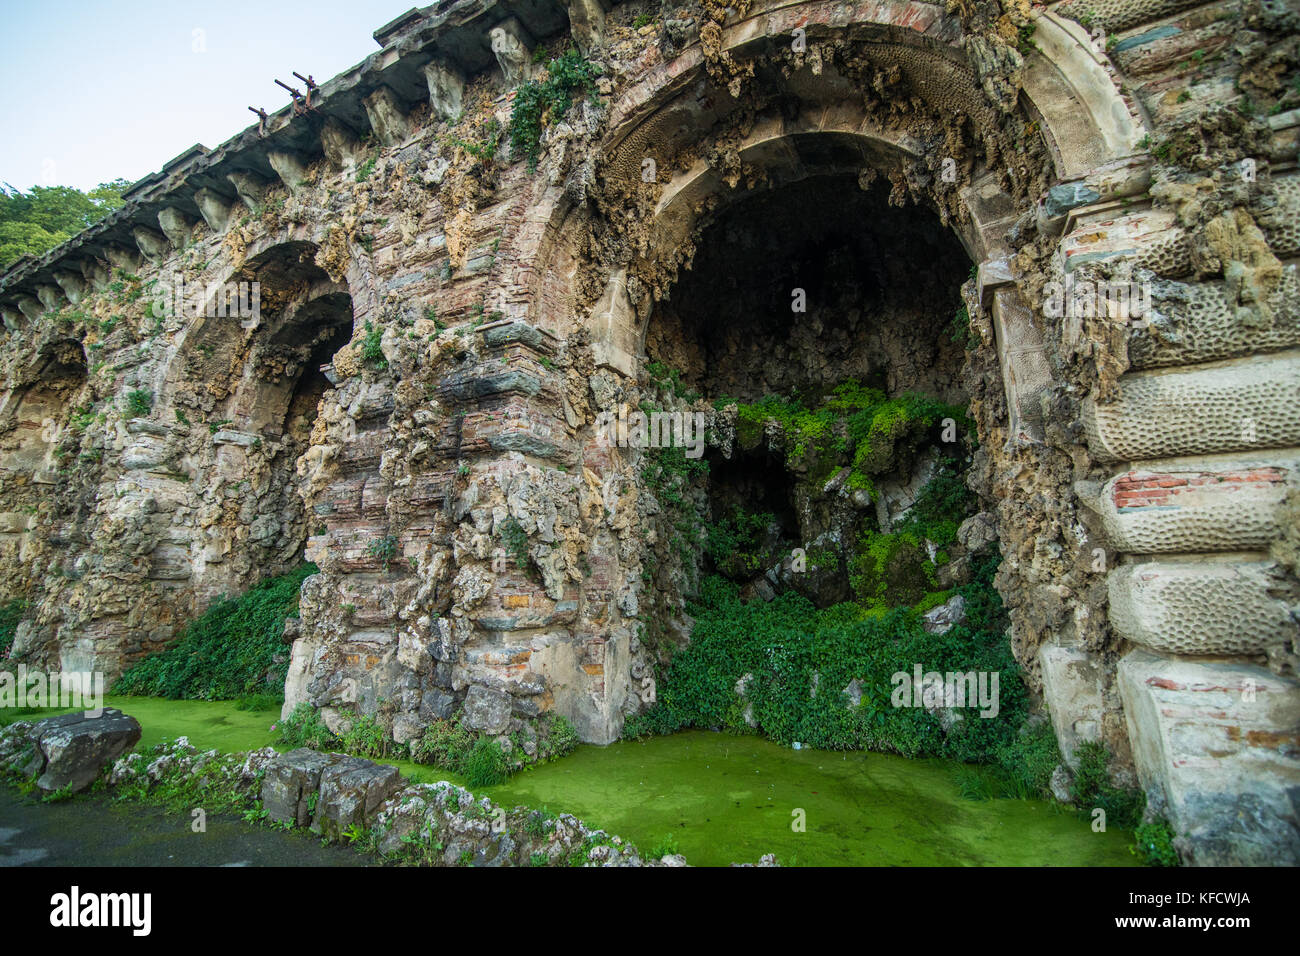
92 830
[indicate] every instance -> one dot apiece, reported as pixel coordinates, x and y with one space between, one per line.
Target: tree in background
35 222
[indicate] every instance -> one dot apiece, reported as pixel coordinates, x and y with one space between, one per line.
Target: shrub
304 728
567 76
384 550
1028 761
365 737
736 543
940 508
789 647
485 764
139 402
1154 844
556 738
444 744
1092 788
231 651
372 351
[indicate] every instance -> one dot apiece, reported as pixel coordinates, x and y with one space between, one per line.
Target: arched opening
826 317
800 287
262 372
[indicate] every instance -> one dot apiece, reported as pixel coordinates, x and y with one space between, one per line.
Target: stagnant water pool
728 799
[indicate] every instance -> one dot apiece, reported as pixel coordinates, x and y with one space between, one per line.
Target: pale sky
93 91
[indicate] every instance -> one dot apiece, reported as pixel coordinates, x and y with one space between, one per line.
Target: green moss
932 600
889 569
850 420
728 798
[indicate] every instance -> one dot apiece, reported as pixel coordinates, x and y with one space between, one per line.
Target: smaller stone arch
258 377
33 415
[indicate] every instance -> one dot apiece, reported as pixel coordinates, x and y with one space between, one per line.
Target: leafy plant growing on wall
139 402
372 348
515 540
384 550
567 76
233 650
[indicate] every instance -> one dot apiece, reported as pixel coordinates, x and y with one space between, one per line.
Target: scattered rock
351 792
290 781
941 619
1060 784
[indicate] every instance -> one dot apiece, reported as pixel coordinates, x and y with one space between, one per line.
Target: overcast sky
93 91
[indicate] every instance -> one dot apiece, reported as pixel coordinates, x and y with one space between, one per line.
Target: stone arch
261 376
1048 138
228 351
1070 95
34 418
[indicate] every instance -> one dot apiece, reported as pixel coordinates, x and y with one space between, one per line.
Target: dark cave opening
314 335
879 286
825 315
329 328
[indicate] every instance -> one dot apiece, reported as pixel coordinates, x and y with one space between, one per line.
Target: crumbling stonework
473 318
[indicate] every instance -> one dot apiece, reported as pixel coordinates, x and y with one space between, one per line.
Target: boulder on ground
351 792
942 619
290 782
72 749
